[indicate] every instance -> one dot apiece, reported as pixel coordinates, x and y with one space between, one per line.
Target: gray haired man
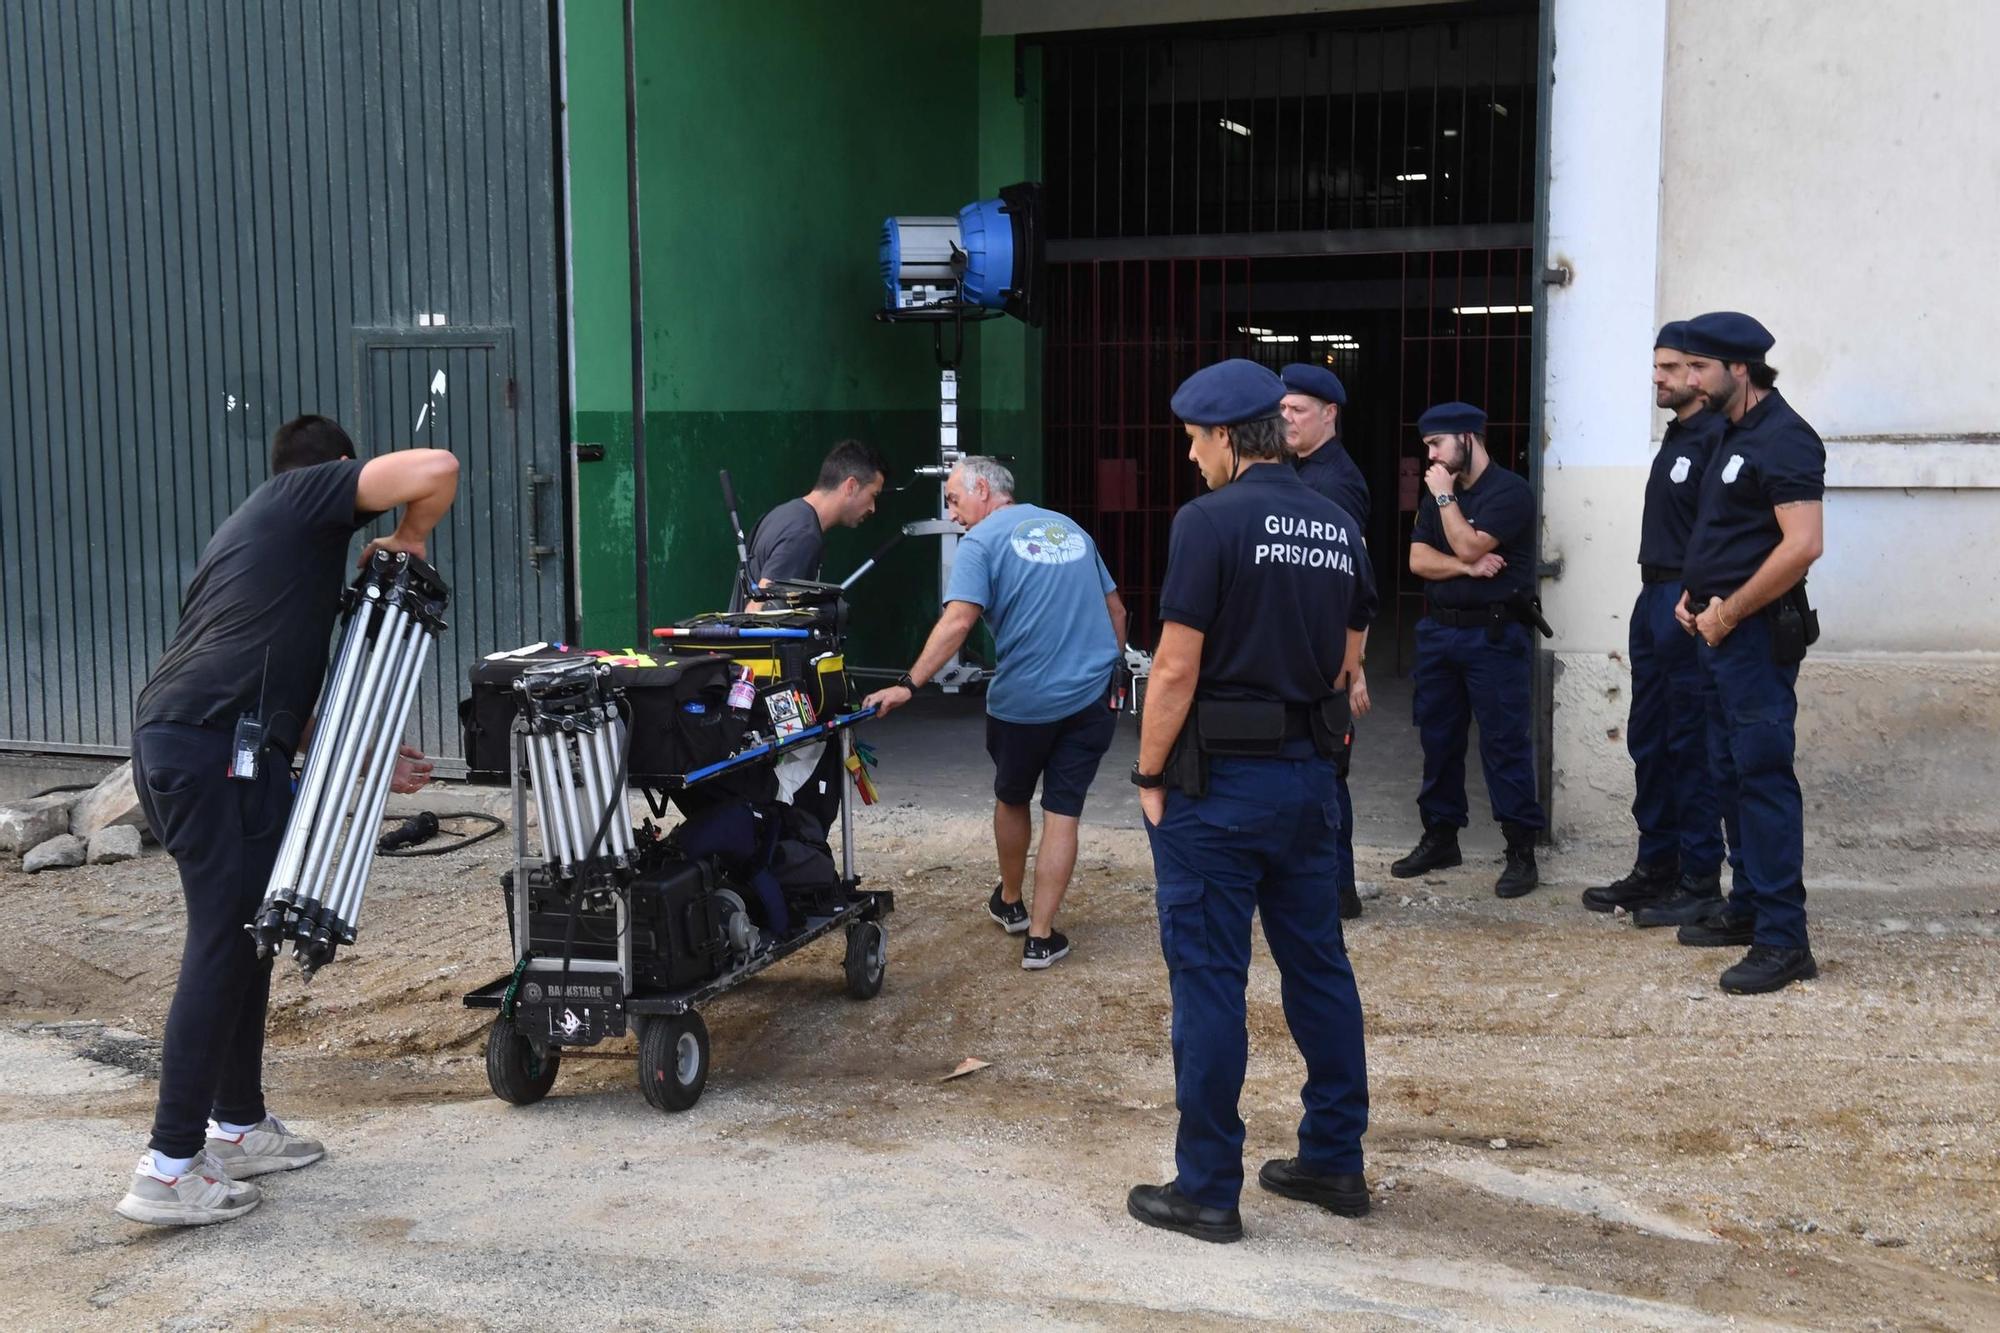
1058 630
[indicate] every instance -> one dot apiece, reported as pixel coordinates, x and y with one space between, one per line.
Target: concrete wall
773 139
1829 168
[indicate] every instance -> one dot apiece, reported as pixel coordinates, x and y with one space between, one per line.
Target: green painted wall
773 139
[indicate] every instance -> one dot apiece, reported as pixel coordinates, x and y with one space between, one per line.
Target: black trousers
224 836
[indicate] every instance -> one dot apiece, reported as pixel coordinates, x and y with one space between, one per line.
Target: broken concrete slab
58 853
114 801
109 846
32 822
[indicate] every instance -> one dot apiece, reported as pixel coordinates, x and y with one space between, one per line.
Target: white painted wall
1832 167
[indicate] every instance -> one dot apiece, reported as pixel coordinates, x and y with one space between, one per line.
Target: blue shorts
1063 756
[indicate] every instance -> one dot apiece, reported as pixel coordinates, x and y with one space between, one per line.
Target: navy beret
1673 336
1315 381
1228 392
1727 336
1452 419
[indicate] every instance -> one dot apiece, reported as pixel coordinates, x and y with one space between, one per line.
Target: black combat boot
1164 1206
1343 1195
1767 968
1694 898
1436 850
1644 884
1519 876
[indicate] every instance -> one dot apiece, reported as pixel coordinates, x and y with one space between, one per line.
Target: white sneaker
266 1147
202 1194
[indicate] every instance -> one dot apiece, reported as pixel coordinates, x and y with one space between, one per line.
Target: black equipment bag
677 938
677 713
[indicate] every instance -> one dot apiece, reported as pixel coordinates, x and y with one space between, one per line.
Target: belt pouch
1250 728
1788 633
1332 727
1187 766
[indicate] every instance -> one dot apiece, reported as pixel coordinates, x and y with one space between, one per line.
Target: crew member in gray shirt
790 541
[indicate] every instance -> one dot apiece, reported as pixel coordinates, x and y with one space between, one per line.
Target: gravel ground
1572 1127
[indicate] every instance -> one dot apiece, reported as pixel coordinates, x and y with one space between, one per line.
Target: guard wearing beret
1473 547
1676 875
1314 397
1266 598
1757 531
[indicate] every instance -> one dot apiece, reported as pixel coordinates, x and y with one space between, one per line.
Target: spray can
743 688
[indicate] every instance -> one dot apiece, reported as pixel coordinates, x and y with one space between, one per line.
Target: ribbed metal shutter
214 216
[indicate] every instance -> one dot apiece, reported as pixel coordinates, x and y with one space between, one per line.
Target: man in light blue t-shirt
1058 632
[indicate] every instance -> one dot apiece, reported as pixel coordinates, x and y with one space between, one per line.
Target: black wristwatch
905 681
1148 781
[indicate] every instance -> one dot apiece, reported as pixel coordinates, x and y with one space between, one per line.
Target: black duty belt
1659 573
1471 617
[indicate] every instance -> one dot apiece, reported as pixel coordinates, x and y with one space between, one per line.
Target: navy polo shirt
1770 457
1274 575
1673 490
1502 505
1330 471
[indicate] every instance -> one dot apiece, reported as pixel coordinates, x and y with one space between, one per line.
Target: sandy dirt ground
1572 1127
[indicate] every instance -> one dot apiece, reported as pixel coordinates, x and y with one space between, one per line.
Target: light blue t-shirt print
1037 576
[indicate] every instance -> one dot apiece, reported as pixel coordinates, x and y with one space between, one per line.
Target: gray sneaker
202 1194
266 1148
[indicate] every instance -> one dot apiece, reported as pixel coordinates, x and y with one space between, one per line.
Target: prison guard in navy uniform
1265 598
1758 530
1473 547
1676 874
1314 400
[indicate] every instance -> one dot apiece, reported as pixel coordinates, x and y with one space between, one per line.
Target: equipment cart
616 928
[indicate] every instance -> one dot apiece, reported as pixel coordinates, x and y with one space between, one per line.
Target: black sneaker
1720 928
1436 850
1039 953
1767 968
1164 1206
1345 1195
1642 886
1350 902
1013 917
1693 898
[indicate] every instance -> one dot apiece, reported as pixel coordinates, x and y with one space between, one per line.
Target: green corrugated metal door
214 216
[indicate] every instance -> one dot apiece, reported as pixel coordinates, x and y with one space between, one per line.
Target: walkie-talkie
248 743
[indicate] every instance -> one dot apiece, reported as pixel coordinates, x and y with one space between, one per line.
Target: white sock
228 1128
169 1167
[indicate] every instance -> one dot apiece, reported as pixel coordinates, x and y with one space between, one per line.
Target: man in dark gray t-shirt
252 644
790 541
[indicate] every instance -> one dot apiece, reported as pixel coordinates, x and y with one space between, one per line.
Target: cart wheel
867 959
673 1060
519 1071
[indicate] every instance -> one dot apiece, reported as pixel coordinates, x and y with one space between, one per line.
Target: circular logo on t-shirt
1048 541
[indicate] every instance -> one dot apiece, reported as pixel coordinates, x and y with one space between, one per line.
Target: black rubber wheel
673 1060
867 959
519 1072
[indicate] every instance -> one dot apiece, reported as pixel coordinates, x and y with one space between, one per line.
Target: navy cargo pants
1674 800
1462 675
224 837
1264 838
1753 709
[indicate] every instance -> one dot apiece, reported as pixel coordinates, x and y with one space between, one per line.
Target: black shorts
1062 755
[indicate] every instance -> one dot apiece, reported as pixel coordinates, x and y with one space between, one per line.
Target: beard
1457 461
1674 399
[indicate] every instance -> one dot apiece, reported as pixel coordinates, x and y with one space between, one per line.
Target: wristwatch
905 681
1149 781
1448 498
